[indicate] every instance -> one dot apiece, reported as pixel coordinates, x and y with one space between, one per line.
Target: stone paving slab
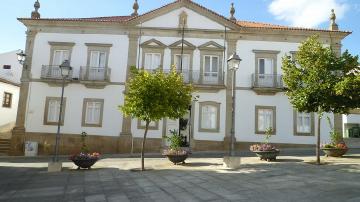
200 179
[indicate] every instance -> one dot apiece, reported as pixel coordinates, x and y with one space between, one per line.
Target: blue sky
306 13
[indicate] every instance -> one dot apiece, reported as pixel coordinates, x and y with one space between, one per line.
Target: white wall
194 20
8 115
245 119
351 118
13 74
75 93
247 66
117 58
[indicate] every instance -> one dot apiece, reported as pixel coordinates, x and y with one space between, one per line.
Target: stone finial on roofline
232 12
136 8
35 14
333 25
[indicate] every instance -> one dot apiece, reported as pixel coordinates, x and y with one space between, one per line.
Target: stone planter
176 159
85 163
334 152
267 155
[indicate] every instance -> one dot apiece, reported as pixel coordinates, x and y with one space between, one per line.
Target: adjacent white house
198 41
10 73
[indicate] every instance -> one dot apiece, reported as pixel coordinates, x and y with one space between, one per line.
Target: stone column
125 135
18 132
338 121
231 48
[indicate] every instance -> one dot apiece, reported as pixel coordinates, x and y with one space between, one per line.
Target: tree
153 96
319 81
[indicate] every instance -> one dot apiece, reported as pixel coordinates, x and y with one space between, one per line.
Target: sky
303 13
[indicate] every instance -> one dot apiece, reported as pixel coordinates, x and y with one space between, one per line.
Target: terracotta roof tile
260 25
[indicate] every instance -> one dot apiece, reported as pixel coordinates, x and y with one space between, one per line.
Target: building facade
10 73
198 42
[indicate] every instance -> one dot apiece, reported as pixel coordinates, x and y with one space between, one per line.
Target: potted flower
337 146
265 150
84 159
175 153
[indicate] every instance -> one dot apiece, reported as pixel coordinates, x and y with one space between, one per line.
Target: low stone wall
123 144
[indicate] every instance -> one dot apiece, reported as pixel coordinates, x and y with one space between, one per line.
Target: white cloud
306 13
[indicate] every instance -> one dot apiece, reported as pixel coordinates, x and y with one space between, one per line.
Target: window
6 66
92 112
7 99
265 118
152 126
152 60
98 59
60 56
211 66
303 123
265 66
185 62
52 110
209 117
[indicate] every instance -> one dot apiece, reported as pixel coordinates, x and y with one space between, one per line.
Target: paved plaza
200 179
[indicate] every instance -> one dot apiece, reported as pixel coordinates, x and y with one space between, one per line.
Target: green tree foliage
319 81
153 96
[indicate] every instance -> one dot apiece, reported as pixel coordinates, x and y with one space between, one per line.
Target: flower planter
85 163
334 152
176 159
267 155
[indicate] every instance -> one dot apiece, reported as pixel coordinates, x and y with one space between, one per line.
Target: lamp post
234 63
65 69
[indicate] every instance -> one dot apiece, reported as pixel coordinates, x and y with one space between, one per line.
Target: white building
101 50
10 73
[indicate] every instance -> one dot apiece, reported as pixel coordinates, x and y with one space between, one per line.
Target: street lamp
21 56
234 64
65 69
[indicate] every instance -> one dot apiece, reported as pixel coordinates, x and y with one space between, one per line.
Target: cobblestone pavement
200 179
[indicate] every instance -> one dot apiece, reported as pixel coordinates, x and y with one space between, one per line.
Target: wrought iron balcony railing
52 72
95 74
198 77
267 81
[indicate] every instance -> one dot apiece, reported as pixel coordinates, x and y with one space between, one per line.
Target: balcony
196 77
95 74
52 72
267 83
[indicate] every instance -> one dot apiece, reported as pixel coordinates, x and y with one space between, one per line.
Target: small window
152 61
7 100
265 66
209 117
265 118
52 111
92 112
303 123
7 67
60 56
185 62
98 59
152 126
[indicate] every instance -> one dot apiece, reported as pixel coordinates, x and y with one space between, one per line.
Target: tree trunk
143 146
318 140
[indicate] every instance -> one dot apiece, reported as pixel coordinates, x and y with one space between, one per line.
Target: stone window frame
102 47
312 125
272 54
140 126
187 50
7 105
212 48
159 48
85 101
257 108
46 111
214 104
60 46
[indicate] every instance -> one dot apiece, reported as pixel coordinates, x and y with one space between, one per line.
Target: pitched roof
260 25
125 19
